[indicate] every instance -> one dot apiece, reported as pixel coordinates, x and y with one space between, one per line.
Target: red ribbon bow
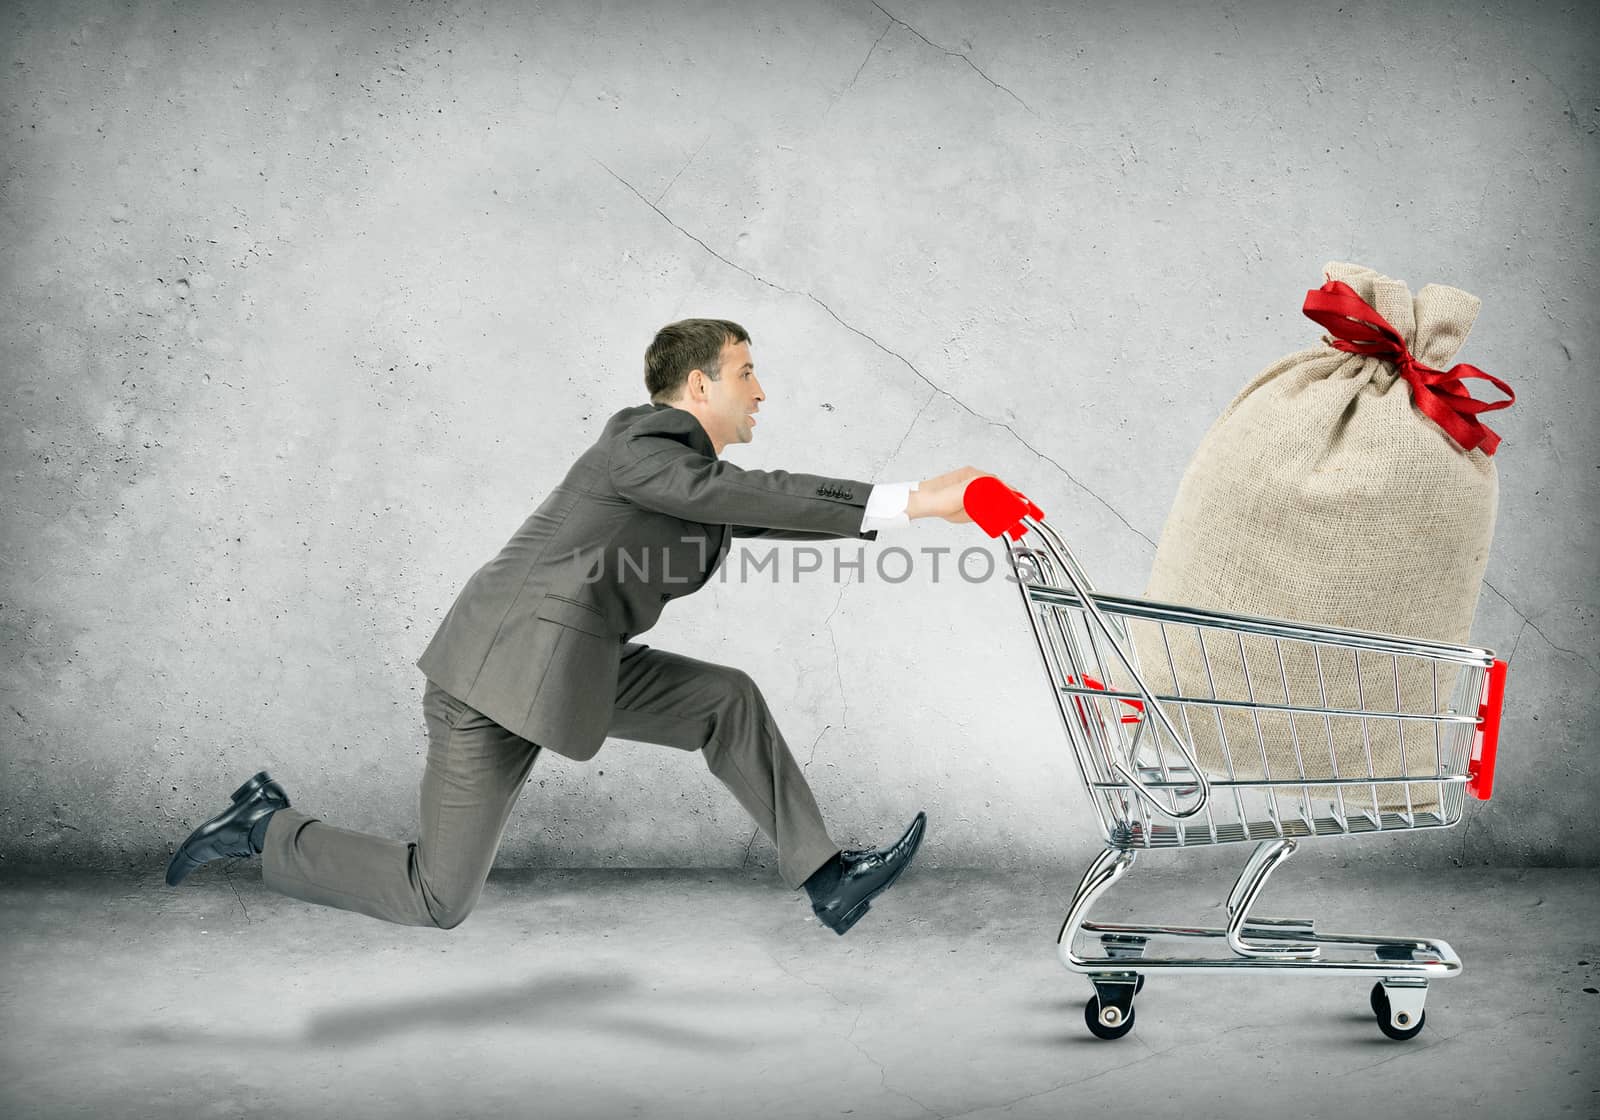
1438 394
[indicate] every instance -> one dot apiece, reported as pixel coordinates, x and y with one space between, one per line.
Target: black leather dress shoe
842 890
228 833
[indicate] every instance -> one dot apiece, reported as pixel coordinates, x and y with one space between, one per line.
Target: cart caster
1139 984
1092 1018
1411 1022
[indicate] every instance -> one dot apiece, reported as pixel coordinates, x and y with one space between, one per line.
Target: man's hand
941 497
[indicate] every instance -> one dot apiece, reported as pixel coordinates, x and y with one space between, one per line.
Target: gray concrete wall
307 305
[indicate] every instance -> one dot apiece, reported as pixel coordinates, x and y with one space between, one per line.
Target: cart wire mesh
1193 726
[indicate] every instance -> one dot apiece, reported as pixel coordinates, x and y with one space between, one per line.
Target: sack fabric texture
1321 494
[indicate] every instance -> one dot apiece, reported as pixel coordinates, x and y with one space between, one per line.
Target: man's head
703 366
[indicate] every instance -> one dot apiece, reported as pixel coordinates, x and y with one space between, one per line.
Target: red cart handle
1480 769
997 508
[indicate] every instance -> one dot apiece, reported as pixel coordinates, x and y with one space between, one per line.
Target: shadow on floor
571 1003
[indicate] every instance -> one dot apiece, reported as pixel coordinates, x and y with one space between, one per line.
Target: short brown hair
685 345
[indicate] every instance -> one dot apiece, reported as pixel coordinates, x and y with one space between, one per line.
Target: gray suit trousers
476 769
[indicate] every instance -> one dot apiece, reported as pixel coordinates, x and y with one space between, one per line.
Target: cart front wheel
1381 1009
1091 1016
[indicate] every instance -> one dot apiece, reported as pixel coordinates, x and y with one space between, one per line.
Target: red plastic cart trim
1083 715
1480 769
997 508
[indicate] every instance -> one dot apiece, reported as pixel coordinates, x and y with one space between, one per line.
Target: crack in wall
750 843
685 167
864 61
1515 643
844 700
836 603
1535 627
899 358
814 743
911 427
957 54
1070 478
836 98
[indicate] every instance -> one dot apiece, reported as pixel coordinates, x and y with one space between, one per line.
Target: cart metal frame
1151 791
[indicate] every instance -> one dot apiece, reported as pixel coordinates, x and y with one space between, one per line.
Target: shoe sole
180 866
854 915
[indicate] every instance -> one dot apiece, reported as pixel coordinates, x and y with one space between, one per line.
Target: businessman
537 653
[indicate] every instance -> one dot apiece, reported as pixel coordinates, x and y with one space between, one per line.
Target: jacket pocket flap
569 612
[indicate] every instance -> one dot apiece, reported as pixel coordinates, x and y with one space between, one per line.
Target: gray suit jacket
644 516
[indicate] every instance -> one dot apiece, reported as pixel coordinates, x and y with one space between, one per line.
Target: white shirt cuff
886 506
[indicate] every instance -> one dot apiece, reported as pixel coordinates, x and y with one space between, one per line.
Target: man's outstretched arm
886 509
665 475
659 470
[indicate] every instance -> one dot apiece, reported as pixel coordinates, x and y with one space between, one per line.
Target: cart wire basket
1195 727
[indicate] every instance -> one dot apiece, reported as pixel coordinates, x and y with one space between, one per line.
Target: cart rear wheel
1381 1009
1091 1016
1399 1034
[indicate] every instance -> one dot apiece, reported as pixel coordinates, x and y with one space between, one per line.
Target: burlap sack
1322 494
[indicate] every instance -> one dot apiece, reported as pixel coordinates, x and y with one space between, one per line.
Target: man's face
726 412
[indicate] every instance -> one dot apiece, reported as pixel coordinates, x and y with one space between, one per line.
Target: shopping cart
1256 761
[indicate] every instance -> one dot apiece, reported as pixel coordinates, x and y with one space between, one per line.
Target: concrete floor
712 994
